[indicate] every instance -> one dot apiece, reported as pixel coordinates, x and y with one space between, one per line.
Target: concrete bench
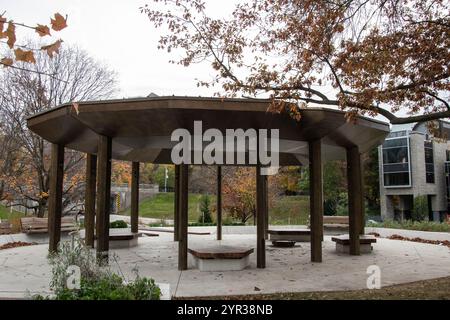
122 238
289 235
335 225
221 258
343 243
32 225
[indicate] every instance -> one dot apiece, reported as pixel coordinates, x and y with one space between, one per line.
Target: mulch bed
425 289
16 244
438 242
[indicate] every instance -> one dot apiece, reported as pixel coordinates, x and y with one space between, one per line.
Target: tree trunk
41 208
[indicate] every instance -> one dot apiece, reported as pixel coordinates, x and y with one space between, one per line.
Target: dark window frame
429 161
396 162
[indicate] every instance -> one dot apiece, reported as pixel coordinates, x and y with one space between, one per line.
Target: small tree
205 210
420 210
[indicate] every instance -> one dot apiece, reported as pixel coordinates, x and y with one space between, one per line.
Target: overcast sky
118 34
115 32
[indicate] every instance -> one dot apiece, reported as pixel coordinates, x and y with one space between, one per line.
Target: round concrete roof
141 128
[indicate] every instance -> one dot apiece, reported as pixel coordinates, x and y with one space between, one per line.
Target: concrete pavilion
139 130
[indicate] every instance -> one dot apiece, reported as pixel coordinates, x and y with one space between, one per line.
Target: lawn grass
289 210
161 206
12 216
283 210
412 225
426 289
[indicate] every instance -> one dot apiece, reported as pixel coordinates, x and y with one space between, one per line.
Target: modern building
415 162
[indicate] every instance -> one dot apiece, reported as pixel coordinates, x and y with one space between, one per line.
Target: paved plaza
25 271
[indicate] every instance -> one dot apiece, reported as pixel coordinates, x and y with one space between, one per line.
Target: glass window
396 162
397 134
396 179
395 155
429 161
395 143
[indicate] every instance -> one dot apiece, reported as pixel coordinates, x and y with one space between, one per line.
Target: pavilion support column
89 215
103 196
176 204
55 196
266 207
316 199
355 197
261 214
134 215
183 219
219 203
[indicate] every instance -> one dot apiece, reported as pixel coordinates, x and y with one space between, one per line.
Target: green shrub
342 205
118 224
420 210
329 207
96 283
205 216
112 287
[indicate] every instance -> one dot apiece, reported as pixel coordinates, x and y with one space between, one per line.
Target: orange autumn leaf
6 61
58 23
42 30
2 23
52 48
75 106
25 56
11 34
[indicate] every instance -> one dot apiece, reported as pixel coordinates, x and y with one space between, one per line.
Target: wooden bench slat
40 225
221 252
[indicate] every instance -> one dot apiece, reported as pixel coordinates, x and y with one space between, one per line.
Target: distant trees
239 193
75 77
205 210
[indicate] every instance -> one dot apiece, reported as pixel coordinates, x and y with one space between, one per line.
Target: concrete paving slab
25 270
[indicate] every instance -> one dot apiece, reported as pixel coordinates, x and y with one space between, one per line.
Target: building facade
413 162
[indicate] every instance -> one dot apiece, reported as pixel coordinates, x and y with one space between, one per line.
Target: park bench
335 225
122 238
33 225
288 237
5 227
343 243
221 258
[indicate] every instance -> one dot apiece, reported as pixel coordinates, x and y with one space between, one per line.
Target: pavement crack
178 283
417 251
